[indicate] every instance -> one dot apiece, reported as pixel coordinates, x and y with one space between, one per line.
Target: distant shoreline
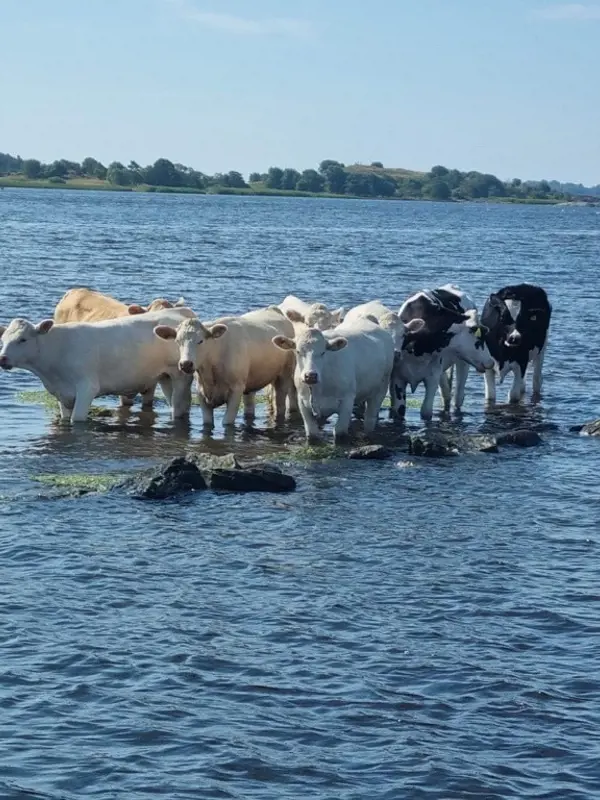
97 185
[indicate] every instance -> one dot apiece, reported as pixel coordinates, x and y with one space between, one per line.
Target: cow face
20 342
311 347
189 336
497 318
468 341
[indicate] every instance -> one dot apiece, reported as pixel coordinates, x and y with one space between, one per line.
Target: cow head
155 305
398 330
20 342
317 316
468 342
428 307
310 346
529 313
189 336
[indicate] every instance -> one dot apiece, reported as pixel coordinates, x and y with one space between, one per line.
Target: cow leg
373 407
233 405
181 399
311 426
431 384
208 414
292 397
84 395
490 386
249 405
148 399
446 389
166 385
462 373
127 400
342 425
280 391
397 398
359 410
65 411
538 363
518 387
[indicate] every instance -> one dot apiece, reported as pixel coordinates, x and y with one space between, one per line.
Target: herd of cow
317 361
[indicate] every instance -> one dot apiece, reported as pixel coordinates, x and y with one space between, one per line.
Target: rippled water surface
424 629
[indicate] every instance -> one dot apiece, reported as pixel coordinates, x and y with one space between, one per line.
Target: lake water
391 630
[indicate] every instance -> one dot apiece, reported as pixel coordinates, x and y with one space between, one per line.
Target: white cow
78 361
315 315
234 357
337 369
449 334
386 318
458 368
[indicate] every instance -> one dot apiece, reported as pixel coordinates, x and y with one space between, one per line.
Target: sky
510 87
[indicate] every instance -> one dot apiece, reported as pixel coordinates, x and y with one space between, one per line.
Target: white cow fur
386 318
235 357
337 369
411 370
315 315
78 361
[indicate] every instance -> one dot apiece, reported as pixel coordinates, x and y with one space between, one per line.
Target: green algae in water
78 481
38 397
316 452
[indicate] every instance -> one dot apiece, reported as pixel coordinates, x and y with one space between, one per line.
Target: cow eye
533 317
22 340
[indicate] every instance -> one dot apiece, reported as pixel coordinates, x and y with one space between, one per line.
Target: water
390 630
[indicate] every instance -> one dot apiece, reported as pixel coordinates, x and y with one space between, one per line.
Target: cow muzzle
513 339
5 363
310 378
187 367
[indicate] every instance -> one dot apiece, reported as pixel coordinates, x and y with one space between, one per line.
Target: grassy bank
257 189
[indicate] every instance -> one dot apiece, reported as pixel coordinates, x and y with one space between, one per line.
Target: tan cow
86 305
234 357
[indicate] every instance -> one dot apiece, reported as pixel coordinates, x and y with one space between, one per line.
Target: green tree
255 177
32 168
274 178
439 190
235 180
163 173
117 174
377 164
336 179
58 169
439 171
326 165
311 181
290 178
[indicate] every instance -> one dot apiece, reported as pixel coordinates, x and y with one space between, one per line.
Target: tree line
331 177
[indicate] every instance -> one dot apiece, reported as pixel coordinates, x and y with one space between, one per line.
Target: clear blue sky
504 86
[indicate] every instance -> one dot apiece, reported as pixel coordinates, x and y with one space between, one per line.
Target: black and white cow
517 318
449 333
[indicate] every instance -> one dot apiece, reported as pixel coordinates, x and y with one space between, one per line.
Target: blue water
405 629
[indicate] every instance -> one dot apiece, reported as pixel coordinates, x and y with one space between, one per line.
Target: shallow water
401 629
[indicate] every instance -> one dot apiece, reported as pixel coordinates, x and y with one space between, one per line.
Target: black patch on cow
532 323
448 300
438 308
425 342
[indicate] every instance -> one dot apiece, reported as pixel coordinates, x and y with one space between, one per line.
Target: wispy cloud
569 12
244 26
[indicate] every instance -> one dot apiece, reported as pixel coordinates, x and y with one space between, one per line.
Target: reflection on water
421 631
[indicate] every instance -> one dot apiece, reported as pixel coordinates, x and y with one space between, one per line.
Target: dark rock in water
255 479
578 428
522 437
207 461
589 429
431 444
542 427
482 444
371 452
168 480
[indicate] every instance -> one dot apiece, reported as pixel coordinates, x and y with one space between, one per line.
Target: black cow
517 318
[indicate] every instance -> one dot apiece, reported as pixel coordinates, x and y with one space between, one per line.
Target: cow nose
514 338
186 366
310 378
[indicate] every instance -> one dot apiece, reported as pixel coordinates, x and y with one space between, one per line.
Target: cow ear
337 344
284 342
179 303
294 316
165 332
44 326
136 309
216 331
338 315
415 325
